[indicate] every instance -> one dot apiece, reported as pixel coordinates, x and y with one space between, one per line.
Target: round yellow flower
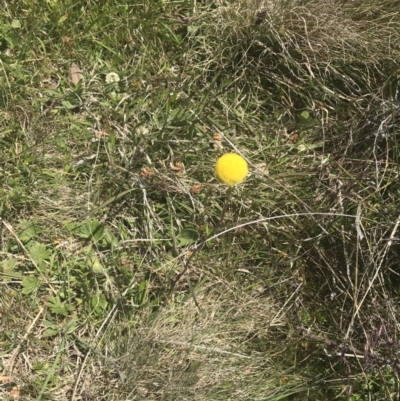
231 169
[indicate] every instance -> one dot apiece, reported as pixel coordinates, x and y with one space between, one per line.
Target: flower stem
224 209
186 265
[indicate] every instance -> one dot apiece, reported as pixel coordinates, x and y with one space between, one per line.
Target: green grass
108 195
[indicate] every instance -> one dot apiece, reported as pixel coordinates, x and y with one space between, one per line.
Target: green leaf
93 263
8 264
7 269
50 332
142 293
303 147
53 92
30 285
99 303
305 115
72 325
91 229
187 236
110 238
16 24
28 229
62 19
57 306
68 105
39 253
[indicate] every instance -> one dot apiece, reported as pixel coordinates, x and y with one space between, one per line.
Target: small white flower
174 70
78 164
112 77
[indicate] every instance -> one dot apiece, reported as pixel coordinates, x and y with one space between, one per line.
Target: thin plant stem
224 209
204 241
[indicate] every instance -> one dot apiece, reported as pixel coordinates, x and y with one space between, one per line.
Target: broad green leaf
68 105
110 237
28 229
93 263
71 325
305 115
187 236
16 24
7 271
71 225
57 306
99 303
8 264
30 285
39 253
50 332
91 229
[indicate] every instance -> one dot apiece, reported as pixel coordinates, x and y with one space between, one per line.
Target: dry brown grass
179 353
311 54
173 353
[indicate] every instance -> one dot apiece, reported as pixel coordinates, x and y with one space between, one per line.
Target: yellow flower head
231 169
